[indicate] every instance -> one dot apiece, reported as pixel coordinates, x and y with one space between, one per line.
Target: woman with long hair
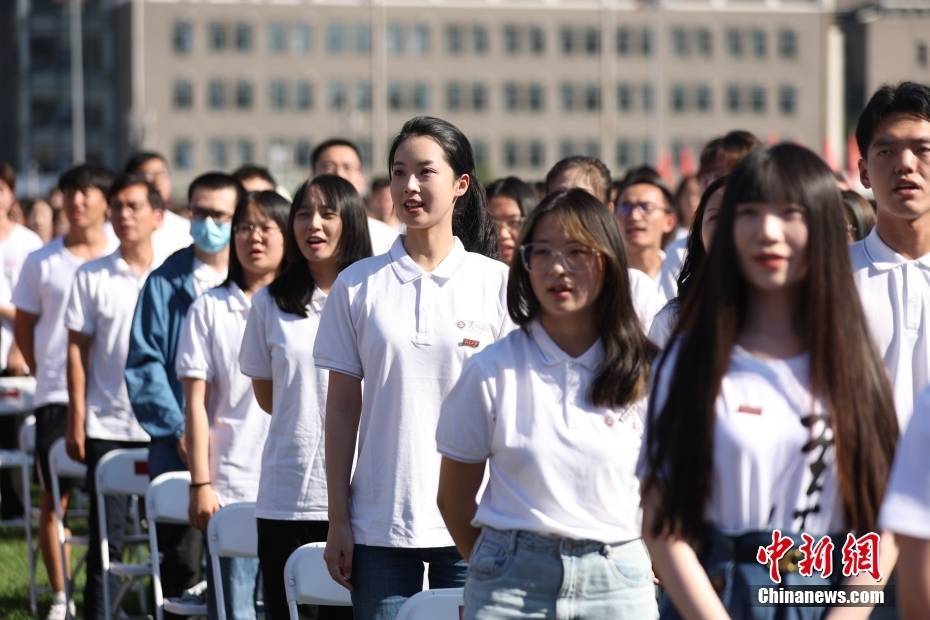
224 426
557 402
771 409
327 231
405 322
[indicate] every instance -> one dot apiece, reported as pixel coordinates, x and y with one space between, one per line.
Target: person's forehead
901 126
153 165
132 193
641 191
223 199
339 154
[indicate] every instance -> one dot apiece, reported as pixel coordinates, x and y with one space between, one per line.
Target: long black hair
624 372
695 252
846 372
470 220
293 288
271 204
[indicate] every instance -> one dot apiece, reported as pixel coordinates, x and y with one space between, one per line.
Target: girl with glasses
556 409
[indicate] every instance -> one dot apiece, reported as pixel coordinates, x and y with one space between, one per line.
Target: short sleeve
255 354
466 419
664 324
336 346
193 356
79 314
906 509
26 295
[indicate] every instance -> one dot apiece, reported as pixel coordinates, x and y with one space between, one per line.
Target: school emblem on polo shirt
474 333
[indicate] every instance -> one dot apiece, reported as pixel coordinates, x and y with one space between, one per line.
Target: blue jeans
518 574
240 587
384 577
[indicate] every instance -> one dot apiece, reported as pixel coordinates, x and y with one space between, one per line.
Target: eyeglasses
202 213
246 230
513 225
541 257
646 208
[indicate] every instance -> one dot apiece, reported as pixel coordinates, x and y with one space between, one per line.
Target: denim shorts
518 574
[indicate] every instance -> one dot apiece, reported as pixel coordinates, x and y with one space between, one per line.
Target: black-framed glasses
646 208
540 257
202 213
246 230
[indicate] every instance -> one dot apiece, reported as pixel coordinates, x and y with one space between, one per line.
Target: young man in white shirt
174 232
341 157
40 297
891 266
99 315
644 215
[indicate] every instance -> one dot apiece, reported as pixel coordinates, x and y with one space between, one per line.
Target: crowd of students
557 398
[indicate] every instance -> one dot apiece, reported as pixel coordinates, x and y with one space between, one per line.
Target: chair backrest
439 604
307 581
16 394
63 466
27 435
167 498
232 531
123 472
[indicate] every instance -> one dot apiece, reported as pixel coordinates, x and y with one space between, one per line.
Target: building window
453 97
567 40
395 95
537 97
278 95
479 97
303 153
568 97
758 99
336 38
182 39
624 98
923 55
363 95
649 152
217 36
244 150
364 148
510 97
420 97
277 38
624 151
788 43
624 41
705 42
302 39
479 35
734 98
244 95
338 97
510 154
362 38
680 44
592 98
758 42
480 147
537 40
511 40
303 95
183 95
678 102
735 43
648 42
592 41
649 98
787 100
454 44
243 37
537 154
703 98
216 95
419 39
218 155
395 39
183 155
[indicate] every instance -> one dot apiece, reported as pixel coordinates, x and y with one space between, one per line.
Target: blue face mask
209 236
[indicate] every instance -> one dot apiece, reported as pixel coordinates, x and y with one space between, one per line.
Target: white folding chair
307 580
61 466
20 459
231 534
121 473
438 604
166 501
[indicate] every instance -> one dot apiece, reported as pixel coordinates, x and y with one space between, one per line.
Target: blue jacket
155 392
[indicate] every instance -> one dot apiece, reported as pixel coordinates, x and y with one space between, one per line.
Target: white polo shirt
558 465
407 333
761 474
278 346
647 300
209 349
675 253
13 252
173 235
101 305
906 509
895 295
382 236
43 289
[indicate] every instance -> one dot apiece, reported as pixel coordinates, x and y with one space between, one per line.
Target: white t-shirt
278 345
101 305
43 289
675 253
173 235
664 323
206 277
895 295
407 333
13 252
647 300
906 509
382 236
761 475
209 349
558 465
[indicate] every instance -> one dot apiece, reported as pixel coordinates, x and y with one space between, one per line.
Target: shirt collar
408 271
884 258
237 300
122 267
552 354
317 300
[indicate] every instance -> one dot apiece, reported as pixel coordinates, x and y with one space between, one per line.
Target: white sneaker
58 611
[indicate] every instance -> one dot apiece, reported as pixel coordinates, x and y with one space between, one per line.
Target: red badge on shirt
750 409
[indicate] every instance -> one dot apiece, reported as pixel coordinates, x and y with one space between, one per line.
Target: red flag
686 162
